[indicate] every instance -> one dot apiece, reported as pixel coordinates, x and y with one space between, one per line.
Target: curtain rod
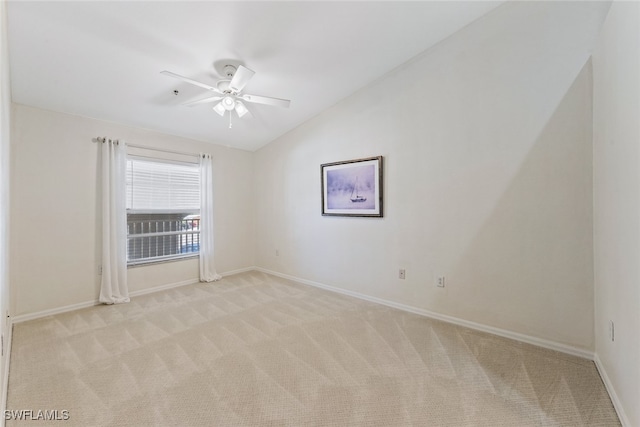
181 153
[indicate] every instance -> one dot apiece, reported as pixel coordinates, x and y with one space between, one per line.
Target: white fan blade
240 78
203 101
266 100
193 82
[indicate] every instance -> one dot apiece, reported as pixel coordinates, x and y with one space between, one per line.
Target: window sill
161 261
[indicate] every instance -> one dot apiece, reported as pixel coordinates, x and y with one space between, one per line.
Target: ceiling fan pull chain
230 119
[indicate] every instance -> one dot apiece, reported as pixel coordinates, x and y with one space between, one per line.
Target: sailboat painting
352 188
355 196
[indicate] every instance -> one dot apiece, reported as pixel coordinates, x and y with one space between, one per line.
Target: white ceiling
103 59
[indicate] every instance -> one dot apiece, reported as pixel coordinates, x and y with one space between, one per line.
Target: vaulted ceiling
103 59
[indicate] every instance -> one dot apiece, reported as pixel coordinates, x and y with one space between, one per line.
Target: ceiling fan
228 92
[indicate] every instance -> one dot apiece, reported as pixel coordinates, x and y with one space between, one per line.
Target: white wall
55 245
616 65
5 119
487 147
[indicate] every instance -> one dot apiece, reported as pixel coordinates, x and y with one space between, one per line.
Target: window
163 210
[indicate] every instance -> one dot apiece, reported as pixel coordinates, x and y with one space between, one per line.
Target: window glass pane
154 237
163 210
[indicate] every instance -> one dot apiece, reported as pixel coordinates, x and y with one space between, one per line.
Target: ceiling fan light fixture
219 108
228 103
241 109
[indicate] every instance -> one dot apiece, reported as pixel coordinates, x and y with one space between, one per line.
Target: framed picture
352 187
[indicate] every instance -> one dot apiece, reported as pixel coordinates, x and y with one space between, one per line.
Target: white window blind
158 186
163 210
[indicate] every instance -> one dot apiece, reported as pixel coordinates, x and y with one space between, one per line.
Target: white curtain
207 265
114 288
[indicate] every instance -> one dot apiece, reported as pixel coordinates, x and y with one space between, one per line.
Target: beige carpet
256 350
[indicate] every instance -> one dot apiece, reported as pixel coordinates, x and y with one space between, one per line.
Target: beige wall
55 246
616 64
5 119
487 147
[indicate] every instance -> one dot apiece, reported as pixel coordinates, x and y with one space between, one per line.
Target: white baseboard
162 288
52 311
574 351
612 392
238 271
78 306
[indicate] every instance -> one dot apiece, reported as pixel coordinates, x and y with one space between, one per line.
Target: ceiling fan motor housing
229 70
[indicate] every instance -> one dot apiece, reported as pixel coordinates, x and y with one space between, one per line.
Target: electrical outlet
402 274
277 252
100 270
440 282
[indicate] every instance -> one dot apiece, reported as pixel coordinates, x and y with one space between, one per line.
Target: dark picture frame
352 188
